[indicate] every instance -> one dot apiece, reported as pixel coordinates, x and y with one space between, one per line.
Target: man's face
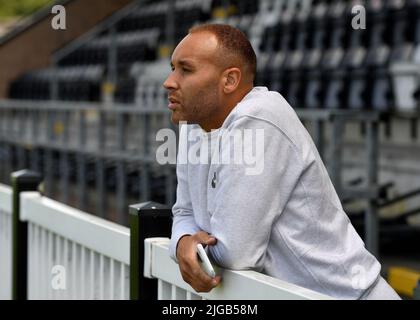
193 86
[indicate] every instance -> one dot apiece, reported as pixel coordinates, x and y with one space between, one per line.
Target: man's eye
186 70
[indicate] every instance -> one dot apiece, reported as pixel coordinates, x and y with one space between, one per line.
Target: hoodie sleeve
183 217
249 198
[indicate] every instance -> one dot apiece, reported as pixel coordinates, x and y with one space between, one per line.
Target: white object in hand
206 262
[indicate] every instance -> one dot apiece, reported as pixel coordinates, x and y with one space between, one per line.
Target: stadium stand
307 50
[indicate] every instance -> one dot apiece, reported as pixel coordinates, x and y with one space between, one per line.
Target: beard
200 108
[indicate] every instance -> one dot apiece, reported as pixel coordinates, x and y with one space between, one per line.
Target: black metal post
23 180
147 219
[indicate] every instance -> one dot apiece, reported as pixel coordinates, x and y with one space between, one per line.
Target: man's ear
231 79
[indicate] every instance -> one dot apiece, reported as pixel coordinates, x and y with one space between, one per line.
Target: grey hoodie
284 220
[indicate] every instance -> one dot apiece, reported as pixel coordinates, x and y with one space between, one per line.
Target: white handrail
240 285
104 237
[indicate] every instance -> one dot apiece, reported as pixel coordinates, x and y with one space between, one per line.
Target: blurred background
82 105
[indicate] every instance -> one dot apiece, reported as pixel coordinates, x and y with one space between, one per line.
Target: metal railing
5 242
236 285
118 143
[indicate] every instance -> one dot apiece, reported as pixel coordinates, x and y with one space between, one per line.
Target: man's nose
170 83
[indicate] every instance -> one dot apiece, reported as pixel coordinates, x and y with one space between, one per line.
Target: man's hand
190 268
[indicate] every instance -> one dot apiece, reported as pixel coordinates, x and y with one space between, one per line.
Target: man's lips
173 103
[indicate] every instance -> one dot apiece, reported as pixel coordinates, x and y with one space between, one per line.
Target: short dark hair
233 42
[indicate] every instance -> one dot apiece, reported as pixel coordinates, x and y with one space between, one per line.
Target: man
285 220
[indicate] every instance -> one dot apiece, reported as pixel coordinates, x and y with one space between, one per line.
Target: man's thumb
211 241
